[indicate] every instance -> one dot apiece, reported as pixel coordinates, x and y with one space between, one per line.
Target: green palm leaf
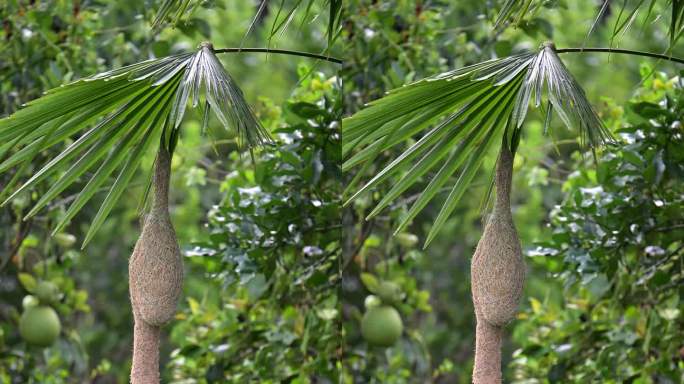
459 115
113 118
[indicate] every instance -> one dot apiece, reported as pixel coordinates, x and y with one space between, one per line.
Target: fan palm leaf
114 119
460 114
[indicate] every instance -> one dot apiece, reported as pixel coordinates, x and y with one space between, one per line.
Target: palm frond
565 95
222 96
114 118
459 115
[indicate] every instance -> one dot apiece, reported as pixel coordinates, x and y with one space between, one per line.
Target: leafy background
237 267
278 325
592 311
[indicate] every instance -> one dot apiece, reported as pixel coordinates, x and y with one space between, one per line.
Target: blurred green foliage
262 300
617 236
272 253
21 362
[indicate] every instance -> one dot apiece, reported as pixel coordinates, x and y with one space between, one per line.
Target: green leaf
121 182
456 159
402 101
30 156
461 185
406 126
283 18
73 124
136 127
108 126
56 103
420 147
474 115
124 105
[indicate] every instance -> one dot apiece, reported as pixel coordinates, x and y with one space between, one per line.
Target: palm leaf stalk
459 115
114 119
622 51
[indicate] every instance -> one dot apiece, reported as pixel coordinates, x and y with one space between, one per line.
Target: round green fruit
389 292
372 301
65 240
29 301
39 326
381 326
407 240
47 292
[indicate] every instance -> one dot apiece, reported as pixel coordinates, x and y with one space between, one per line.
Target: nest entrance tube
497 276
487 353
155 272
145 367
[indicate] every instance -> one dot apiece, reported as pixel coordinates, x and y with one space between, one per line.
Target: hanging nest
497 277
155 277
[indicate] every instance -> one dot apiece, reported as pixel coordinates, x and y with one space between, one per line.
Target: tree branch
281 52
623 51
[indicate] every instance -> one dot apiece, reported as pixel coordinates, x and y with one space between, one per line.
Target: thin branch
670 228
623 51
24 229
280 51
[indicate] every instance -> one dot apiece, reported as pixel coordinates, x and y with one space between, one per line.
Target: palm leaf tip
548 73
204 73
